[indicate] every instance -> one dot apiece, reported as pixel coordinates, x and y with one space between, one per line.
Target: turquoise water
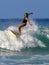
31 48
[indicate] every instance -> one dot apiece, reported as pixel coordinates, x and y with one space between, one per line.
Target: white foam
47 36
9 41
46 30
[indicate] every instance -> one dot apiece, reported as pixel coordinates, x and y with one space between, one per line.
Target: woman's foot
18 33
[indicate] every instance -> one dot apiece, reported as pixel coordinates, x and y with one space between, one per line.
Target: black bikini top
24 21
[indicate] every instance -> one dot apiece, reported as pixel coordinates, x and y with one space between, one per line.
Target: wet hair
27 14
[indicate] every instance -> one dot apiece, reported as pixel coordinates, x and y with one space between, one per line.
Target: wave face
32 36
32 45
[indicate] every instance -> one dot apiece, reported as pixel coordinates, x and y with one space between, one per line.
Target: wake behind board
15 33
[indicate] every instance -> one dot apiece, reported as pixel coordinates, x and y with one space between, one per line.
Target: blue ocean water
31 48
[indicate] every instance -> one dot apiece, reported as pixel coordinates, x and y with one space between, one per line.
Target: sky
17 8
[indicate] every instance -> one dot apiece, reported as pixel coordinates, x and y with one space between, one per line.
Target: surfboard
15 33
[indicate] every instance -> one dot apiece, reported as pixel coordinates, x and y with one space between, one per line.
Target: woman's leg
19 28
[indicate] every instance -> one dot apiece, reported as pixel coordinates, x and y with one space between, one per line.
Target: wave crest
9 41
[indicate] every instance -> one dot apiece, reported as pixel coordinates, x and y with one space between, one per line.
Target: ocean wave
25 60
9 41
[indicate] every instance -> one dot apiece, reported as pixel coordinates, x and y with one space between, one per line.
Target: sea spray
10 41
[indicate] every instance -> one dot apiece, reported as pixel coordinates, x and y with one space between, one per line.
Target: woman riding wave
25 20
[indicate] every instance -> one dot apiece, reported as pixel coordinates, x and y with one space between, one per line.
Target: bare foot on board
16 33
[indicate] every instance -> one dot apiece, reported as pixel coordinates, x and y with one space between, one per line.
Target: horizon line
22 18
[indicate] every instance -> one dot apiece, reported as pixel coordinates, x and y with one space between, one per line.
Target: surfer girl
24 23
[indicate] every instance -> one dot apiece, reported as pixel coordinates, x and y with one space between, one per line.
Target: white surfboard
15 33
